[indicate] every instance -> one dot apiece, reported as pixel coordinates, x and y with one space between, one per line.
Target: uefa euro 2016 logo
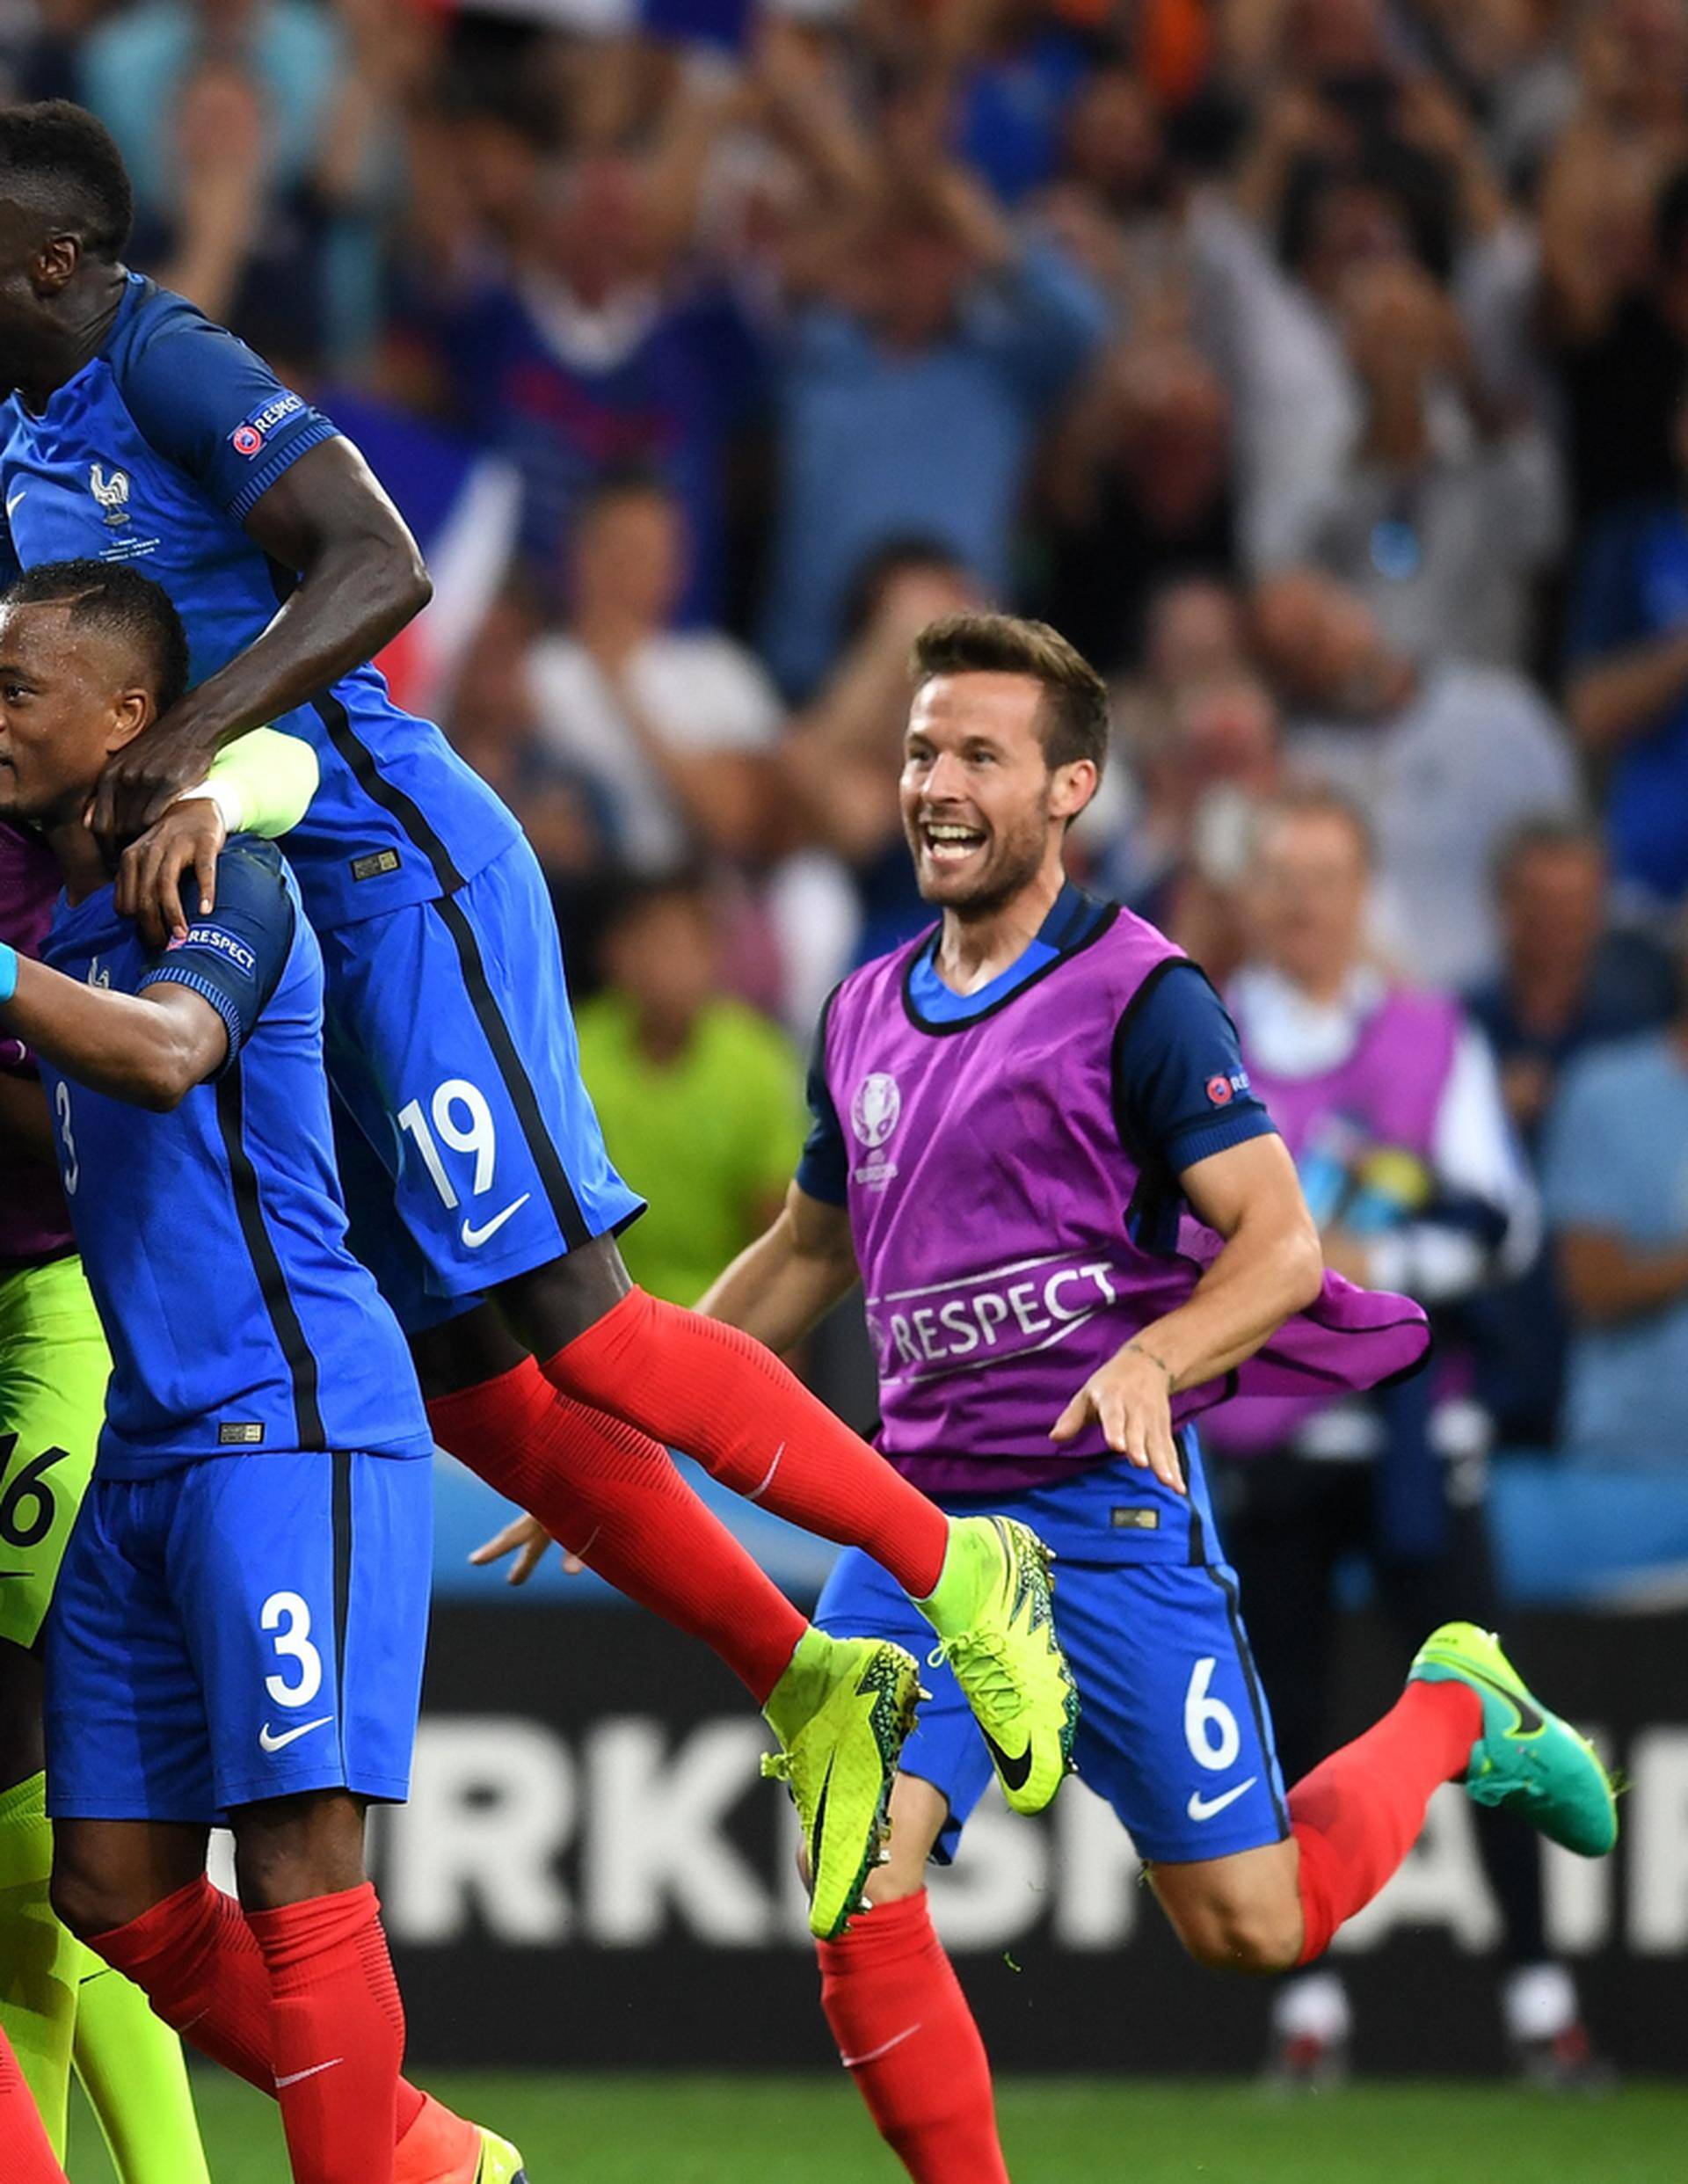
875 1109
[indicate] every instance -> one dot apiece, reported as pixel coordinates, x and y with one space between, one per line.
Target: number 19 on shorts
459 1117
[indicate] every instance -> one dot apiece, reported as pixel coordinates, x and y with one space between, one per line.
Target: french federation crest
112 493
875 1109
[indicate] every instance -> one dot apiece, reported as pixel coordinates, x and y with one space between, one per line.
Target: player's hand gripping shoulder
1130 1400
262 783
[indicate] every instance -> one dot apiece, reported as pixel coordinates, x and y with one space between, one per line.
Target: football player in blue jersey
138 432
238 1632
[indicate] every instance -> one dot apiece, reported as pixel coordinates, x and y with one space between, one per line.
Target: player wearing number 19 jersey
1035 1139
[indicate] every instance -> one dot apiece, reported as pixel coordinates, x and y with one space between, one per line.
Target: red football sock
195 1959
711 1390
337 2031
198 1963
26 2154
1356 1816
905 2032
613 1497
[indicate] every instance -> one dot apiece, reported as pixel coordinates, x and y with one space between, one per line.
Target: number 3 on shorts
286 1614
1210 1727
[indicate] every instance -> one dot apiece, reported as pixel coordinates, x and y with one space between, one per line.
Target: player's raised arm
261 783
792 1276
360 578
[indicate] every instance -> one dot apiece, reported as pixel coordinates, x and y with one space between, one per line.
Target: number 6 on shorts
1210 1726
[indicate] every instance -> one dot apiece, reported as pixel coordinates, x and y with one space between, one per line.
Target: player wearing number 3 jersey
59 2004
1035 1139
238 1629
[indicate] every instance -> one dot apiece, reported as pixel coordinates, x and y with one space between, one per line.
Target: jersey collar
1073 920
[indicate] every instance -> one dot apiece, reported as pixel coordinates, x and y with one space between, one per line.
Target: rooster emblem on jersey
112 493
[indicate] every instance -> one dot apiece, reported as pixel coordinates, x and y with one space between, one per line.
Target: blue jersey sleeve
823 1170
235 956
1181 1089
206 401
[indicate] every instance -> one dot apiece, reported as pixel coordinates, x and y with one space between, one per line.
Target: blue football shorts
452 1053
1174 1729
240 1629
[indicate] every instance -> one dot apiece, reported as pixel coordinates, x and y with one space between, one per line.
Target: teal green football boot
1527 1760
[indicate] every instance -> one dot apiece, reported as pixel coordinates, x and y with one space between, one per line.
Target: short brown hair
1074 716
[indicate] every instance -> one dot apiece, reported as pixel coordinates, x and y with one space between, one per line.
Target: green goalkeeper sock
132 2070
40 1962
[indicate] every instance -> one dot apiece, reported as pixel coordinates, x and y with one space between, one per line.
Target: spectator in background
675 729
1614 251
930 346
1355 161
1569 978
1209 751
1445 511
1014 91
1114 205
256 132
1138 492
492 723
135 63
1443 758
1567 981
1627 693
844 753
1389 1102
1616 1178
1194 629
700 1098
596 344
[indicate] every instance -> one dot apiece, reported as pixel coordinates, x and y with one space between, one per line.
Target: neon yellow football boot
994 1612
500 2163
842 1712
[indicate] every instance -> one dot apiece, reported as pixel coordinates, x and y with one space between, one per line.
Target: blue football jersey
214 1237
155 453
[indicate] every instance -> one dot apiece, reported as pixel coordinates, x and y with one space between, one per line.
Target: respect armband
8 971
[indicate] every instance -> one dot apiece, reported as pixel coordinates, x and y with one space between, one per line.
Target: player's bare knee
1241 1934
290 1850
895 1884
87 1902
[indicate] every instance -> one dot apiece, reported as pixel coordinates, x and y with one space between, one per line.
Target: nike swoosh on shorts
473 1238
1200 1807
268 1741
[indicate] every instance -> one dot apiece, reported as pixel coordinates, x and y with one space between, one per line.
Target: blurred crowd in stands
1320 366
